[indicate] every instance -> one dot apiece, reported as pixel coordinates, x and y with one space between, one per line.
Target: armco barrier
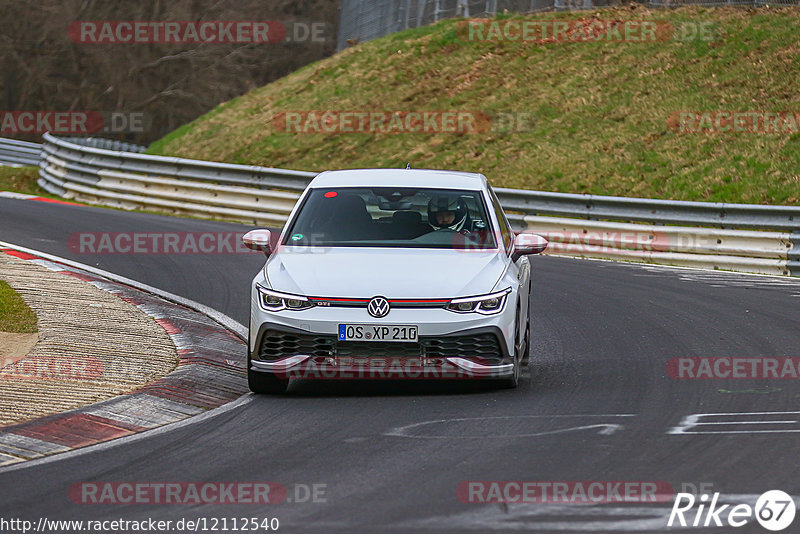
22 153
243 193
19 153
736 237
708 248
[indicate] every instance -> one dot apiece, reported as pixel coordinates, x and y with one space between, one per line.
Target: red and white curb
210 374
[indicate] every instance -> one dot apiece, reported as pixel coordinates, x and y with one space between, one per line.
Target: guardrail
763 252
738 237
19 153
242 193
735 237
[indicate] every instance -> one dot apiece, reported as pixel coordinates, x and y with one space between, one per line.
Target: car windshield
392 217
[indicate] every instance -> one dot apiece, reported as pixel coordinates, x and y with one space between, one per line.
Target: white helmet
446 204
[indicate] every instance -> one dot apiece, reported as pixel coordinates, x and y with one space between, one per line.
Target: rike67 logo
774 510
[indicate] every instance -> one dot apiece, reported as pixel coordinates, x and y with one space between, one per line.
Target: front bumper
293 353
469 345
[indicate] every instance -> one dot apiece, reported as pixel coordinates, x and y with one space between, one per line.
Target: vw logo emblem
378 307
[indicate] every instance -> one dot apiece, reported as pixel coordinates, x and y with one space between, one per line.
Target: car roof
400 178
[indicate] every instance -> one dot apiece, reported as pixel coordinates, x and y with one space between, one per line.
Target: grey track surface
602 335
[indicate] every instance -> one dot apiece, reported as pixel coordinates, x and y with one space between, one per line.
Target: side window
505 230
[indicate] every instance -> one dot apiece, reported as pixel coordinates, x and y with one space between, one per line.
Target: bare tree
43 69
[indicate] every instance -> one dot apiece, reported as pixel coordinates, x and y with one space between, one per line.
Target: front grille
276 345
482 348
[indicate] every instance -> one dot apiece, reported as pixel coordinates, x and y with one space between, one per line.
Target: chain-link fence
362 20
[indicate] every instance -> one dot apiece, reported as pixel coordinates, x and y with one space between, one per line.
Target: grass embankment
21 180
15 316
600 109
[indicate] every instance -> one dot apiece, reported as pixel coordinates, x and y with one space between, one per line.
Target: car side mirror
526 244
258 240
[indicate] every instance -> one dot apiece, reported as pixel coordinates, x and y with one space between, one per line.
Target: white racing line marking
707 276
699 270
605 429
691 422
722 278
217 316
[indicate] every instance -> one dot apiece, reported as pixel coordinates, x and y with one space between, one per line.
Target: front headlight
485 304
277 301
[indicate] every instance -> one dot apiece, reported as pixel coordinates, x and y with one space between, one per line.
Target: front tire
512 381
526 348
266 383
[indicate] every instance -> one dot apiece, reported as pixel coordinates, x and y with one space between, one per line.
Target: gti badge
378 307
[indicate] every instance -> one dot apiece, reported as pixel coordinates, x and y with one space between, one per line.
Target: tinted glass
392 217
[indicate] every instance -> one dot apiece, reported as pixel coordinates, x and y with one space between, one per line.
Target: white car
391 273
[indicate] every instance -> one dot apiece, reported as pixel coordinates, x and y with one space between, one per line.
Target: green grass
15 315
21 180
599 110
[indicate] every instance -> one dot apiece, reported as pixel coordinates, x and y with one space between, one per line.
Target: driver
447 212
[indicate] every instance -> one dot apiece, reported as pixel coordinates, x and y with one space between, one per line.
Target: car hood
393 273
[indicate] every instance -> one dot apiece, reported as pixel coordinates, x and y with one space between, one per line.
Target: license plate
375 332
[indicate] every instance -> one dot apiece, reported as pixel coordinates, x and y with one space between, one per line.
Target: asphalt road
598 404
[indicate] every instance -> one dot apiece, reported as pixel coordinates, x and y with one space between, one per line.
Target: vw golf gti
391 273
